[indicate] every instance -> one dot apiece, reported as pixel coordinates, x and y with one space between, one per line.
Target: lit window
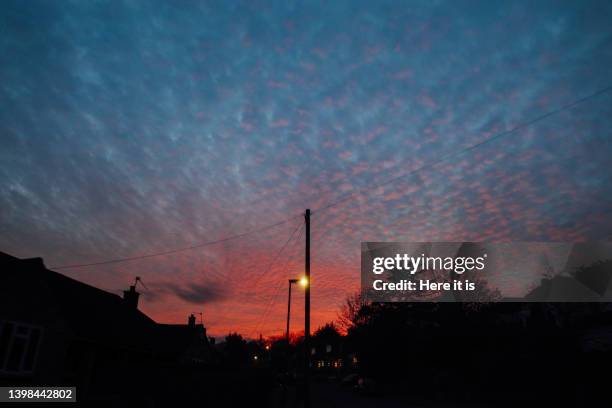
328 348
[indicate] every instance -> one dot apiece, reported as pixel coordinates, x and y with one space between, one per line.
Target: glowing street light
303 281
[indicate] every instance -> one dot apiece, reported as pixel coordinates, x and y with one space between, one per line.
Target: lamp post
291 281
303 282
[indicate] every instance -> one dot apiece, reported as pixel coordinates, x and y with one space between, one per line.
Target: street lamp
304 283
291 281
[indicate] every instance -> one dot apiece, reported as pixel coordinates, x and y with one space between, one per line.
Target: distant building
327 352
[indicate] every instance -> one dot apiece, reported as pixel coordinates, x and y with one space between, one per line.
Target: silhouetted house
188 343
56 330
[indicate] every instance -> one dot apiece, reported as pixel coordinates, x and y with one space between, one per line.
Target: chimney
131 297
191 320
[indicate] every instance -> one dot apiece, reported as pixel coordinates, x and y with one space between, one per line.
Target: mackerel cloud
135 127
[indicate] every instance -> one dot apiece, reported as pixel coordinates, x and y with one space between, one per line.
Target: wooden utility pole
307 314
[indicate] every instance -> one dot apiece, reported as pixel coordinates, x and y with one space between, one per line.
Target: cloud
197 293
155 127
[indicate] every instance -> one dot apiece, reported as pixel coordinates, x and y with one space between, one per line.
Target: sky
135 127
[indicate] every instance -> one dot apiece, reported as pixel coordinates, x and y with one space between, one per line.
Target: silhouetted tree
349 314
328 330
236 350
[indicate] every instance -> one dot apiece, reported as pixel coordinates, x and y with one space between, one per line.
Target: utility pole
307 314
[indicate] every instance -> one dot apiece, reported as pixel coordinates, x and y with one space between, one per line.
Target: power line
273 261
352 194
449 155
174 251
421 222
261 323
